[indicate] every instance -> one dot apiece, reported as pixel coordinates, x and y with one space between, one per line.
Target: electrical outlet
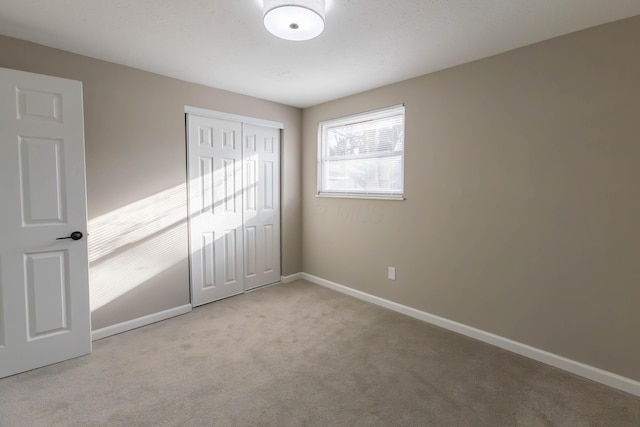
392 273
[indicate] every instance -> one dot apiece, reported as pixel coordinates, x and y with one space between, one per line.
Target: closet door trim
232 117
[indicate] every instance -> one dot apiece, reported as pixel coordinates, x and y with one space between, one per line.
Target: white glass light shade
294 20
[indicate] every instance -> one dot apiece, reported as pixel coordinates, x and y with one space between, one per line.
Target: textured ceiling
366 43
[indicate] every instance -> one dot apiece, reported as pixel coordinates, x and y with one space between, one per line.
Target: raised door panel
269 244
205 201
207 276
229 259
39 105
47 290
42 181
250 251
268 182
228 186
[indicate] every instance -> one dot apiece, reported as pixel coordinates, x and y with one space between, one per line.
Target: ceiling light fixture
294 20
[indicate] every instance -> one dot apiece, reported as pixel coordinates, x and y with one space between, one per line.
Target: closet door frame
243 121
232 117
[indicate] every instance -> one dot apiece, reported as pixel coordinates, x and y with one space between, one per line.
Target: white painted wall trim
291 278
232 117
595 374
139 322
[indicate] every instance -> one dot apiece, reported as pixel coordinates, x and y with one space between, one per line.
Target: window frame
372 115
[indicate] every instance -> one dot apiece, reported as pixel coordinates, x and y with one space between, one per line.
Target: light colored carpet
302 355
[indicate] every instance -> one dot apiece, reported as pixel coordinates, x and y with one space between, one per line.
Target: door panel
269 244
231 261
47 293
262 207
250 251
44 285
206 185
42 180
215 214
208 251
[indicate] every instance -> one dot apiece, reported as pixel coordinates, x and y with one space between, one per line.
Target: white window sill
360 197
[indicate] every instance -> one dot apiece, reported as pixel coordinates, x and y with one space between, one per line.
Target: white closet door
261 151
44 280
215 208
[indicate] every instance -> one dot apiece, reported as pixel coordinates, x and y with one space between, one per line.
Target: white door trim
232 117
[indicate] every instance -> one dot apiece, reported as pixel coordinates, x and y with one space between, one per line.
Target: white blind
363 155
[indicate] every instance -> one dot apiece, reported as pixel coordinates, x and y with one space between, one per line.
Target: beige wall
522 185
522 216
136 152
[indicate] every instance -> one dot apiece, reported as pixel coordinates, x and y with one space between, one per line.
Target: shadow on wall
132 244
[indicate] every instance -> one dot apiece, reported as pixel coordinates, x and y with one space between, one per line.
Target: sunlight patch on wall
136 221
132 244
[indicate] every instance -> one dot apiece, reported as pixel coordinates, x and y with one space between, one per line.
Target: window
362 155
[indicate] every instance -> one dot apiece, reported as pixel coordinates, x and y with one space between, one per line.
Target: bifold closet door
215 209
261 154
234 207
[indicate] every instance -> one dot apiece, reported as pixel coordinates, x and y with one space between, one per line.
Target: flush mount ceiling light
294 20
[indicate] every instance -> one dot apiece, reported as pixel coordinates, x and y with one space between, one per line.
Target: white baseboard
139 322
595 374
163 315
291 278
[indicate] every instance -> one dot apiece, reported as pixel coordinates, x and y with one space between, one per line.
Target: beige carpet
302 355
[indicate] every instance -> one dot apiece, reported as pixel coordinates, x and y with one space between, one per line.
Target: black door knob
76 235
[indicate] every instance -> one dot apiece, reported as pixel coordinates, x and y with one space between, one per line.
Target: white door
261 205
215 208
44 284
